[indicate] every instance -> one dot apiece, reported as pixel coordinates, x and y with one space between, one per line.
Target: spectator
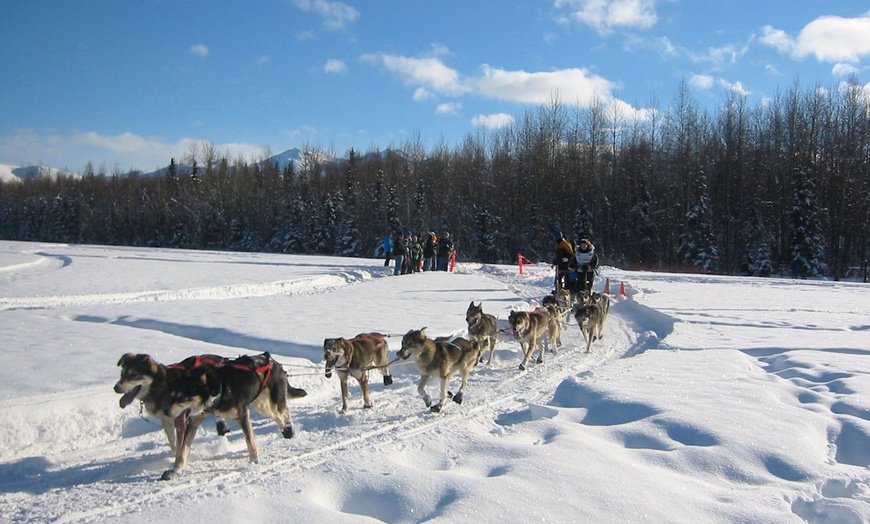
399 253
415 253
388 248
446 249
429 251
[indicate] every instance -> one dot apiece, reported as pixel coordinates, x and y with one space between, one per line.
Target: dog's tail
295 392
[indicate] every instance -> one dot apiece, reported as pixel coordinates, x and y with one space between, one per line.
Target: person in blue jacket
388 248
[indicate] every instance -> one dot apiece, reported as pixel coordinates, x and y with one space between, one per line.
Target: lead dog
590 318
441 358
482 328
354 358
144 379
227 391
528 327
561 302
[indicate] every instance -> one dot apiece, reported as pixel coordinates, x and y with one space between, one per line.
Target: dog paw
522 367
540 360
388 379
436 408
287 432
367 406
458 398
427 401
170 474
222 428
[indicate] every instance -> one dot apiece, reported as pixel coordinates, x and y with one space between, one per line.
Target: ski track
130 465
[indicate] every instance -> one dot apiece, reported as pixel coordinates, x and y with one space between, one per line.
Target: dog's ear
125 357
423 331
210 378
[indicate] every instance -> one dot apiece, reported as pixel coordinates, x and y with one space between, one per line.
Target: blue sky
129 85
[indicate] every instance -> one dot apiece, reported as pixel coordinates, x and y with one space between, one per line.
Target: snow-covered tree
698 242
807 241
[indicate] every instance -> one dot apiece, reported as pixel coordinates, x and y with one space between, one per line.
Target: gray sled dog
442 358
528 328
228 391
354 358
590 317
482 328
144 379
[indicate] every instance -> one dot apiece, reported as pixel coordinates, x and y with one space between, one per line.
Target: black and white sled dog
441 358
145 379
227 391
482 328
354 358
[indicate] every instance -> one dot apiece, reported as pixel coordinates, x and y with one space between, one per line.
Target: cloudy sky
129 85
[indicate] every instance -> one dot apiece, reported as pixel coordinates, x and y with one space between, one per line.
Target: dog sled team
182 395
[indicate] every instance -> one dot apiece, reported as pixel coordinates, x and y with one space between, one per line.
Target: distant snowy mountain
10 173
284 159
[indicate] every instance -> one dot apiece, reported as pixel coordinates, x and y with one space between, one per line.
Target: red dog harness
265 370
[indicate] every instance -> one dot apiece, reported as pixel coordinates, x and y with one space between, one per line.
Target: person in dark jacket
587 263
564 259
445 251
399 253
415 253
429 252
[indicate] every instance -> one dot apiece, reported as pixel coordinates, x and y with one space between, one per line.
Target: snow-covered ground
709 399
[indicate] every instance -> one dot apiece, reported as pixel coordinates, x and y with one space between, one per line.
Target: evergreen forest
779 188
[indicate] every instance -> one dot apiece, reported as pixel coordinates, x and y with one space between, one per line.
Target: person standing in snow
388 248
399 253
429 252
587 263
445 251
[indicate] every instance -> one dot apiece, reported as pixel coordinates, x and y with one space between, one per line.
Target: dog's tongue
129 397
329 365
181 421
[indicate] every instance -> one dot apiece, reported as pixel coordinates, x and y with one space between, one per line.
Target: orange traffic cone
622 288
607 286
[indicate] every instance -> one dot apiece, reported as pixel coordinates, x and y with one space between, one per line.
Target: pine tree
807 242
698 242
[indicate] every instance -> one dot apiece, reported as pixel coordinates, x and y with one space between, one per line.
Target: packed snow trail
111 464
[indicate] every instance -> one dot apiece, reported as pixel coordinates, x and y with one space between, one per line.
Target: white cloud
199 50
263 60
449 108
828 38
701 81
430 72
606 15
572 85
334 66
335 15
736 87
843 69
494 121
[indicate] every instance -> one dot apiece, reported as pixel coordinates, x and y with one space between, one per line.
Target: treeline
779 188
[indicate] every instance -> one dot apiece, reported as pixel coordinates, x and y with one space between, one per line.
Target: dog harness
265 370
199 360
368 336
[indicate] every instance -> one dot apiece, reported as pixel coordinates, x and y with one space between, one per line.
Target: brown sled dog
227 391
590 317
354 358
482 328
144 379
441 358
529 327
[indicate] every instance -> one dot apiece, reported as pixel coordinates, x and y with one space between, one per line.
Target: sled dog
144 379
354 358
482 328
590 318
227 391
561 301
442 358
528 327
